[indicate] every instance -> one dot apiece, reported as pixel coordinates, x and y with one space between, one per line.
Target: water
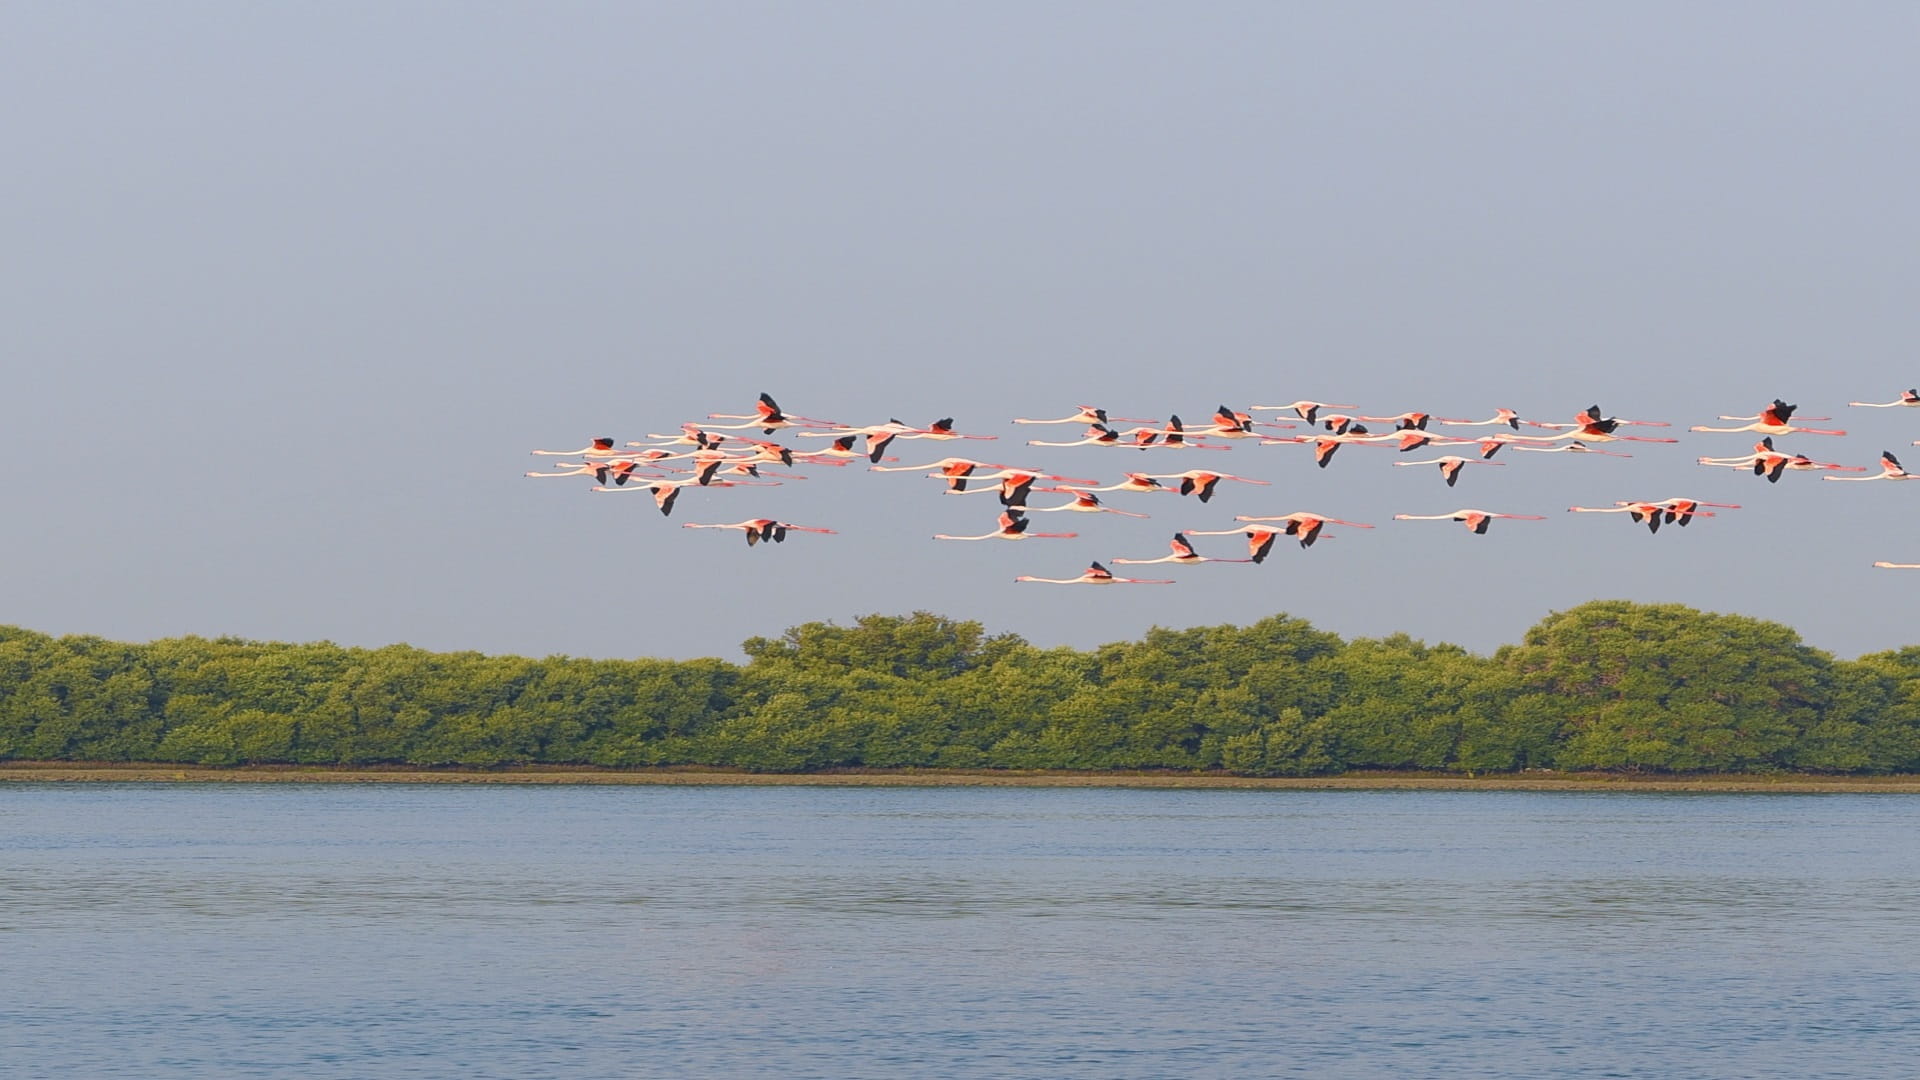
386 931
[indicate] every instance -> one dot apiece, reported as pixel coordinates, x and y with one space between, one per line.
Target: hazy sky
290 289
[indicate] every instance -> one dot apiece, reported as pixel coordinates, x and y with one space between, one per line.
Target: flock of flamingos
707 456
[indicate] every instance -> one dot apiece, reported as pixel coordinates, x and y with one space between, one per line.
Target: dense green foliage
1608 685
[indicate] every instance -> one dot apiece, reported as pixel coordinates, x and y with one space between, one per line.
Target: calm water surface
384 931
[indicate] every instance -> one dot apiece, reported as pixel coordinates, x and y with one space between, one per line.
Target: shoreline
144 773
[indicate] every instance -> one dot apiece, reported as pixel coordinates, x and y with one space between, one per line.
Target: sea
395 931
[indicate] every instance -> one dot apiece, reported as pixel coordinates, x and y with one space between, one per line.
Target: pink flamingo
1775 419
1908 398
1084 502
1476 521
1500 416
758 529
1012 527
1890 469
1450 465
1095 575
768 418
1304 525
1182 553
1305 410
1088 415
1201 483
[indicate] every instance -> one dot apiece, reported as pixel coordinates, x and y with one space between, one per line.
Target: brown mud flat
111 772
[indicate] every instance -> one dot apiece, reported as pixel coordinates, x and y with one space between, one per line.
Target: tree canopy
1607 685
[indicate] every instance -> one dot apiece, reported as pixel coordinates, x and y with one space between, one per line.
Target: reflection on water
386 931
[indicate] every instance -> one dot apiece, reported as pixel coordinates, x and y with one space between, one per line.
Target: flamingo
665 492
1014 484
1908 398
1304 525
1685 510
597 470
1775 419
600 447
1096 435
1592 415
1450 465
1406 421
954 470
1084 502
1575 447
1012 527
940 429
1898 565
1139 483
1324 446
1890 469
1171 437
624 471
1201 483
1305 410
1182 553
1770 463
768 418
1088 415
1228 424
1500 416
758 529
1260 539
1590 426
841 450
1650 514
1476 521
1095 575
690 435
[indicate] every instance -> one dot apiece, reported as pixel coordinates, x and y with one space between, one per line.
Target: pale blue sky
291 289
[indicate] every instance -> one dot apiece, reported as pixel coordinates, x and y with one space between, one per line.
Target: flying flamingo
1260 539
1775 419
1228 424
1182 553
1171 437
768 418
1450 465
1406 421
1088 415
1890 469
690 435
1476 521
1095 575
1684 510
1324 446
665 492
1908 398
1139 483
1305 410
1014 485
1770 463
1592 415
1304 525
941 429
1201 483
1012 527
1649 514
1084 502
954 470
1096 435
758 529
1575 447
1500 416
600 447
595 469
1898 565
